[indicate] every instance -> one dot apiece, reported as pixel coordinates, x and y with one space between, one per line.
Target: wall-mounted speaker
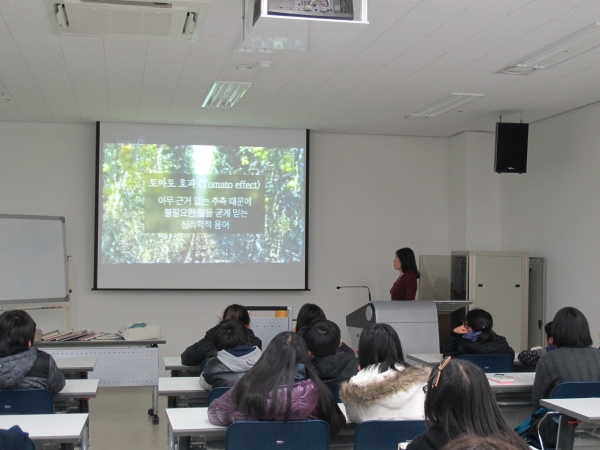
511 147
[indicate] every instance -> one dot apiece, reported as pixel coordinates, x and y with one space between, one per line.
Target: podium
415 322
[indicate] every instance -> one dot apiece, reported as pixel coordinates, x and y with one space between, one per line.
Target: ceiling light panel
444 104
558 52
225 94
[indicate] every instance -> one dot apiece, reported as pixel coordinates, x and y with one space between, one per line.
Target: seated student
15 439
196 353
385 388
460 401
323 339
308 313
531 357
234 359
282 385
21 365
476 336
573 360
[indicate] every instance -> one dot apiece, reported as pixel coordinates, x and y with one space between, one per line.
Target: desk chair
293 435
380 434
215 394
575 389
491 363
26 401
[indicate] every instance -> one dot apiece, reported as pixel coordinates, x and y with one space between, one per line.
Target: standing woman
405 287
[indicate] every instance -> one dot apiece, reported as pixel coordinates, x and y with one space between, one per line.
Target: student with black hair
405 287
573 360
323 338
531 357
476 336
386 388
197 353
460 401
309 312
282 385
235 356
21 365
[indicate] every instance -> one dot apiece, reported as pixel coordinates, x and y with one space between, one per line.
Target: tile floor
119 420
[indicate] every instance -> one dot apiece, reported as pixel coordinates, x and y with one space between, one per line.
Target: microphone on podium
365 287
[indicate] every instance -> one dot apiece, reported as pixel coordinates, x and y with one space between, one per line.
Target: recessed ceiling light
444 104
558 52
225 94
244 67
518 69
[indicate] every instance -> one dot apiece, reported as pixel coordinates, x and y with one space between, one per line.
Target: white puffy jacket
391 395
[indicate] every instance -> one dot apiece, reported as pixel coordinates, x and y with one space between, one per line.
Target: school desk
584 409
66 429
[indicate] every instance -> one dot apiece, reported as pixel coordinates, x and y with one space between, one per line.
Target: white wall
553 210
369 196
474 193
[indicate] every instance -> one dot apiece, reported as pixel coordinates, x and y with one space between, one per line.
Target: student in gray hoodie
21 365
235 356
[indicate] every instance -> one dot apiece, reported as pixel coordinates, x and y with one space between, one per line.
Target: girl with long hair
282 385
459 401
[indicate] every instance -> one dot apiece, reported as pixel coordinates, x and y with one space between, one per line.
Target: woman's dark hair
407 260
570 329
17 329
307 314
463 403
379 344
230 333
480 320
473 442
548 329
237 312
258 393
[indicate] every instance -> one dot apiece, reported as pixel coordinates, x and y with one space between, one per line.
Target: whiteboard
33 259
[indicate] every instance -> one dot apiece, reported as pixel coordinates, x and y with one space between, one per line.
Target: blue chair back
293 435
26 401
491 363
583 389
335 390
386 434
215 394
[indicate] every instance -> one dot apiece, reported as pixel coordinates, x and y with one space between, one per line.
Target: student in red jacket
282 385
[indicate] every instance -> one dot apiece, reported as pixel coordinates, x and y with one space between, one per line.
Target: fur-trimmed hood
370 386
391 395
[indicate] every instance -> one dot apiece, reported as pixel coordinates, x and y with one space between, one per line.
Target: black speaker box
511 147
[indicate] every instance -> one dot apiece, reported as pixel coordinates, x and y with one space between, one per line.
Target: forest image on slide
125 172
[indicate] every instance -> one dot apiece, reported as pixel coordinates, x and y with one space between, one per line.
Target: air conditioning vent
177 20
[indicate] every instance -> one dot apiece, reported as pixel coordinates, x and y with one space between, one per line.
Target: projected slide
216 198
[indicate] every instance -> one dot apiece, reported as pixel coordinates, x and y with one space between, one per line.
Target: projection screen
193 207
